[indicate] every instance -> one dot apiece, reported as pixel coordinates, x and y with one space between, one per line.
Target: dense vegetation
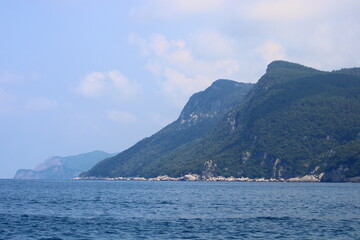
295 121
288 131
201 114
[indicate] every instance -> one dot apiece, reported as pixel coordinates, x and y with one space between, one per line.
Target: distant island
63 167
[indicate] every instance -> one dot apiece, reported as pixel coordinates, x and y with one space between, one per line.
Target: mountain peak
280 65
282 71
223 82
218 98
350 71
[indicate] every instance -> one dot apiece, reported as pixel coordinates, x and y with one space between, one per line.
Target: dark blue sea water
38 209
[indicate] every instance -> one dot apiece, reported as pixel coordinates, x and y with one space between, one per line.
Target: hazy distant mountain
63 167
295 121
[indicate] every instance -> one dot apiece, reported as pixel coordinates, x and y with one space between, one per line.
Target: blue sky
78 76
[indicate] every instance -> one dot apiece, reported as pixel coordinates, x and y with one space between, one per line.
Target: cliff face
62 167
295 123
201 114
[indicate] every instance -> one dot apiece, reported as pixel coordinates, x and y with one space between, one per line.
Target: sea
45 209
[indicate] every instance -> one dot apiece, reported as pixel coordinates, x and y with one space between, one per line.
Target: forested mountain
199 117
295 121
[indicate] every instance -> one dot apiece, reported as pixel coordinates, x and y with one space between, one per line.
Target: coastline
195 177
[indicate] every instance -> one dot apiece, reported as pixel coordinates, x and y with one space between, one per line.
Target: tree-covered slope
296 121
201 114
286 134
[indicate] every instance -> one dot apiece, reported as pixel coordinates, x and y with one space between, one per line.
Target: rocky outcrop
354 179
307 178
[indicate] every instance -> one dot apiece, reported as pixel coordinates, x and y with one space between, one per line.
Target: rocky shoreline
195 177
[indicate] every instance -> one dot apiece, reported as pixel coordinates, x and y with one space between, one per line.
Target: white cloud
92 85
265 10
238 38
7 77
174 52
123 85
294 10
179 72
271 51
159 44
135 39
280 9
108 84
227 67
331 46
321 32
177 84
120 116
213 44
41 103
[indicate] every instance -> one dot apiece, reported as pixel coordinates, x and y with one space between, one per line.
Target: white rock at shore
191 177
306 178
196 177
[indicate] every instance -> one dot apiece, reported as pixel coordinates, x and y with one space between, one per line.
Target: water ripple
178 210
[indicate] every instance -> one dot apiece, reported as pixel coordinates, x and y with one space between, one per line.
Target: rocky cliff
295 123
199 117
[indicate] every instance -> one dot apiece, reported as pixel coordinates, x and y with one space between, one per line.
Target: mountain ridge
192 124
295 121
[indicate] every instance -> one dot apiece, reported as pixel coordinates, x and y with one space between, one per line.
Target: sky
84 75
